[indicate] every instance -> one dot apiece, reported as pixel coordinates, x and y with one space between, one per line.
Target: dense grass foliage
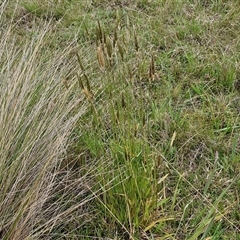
120 119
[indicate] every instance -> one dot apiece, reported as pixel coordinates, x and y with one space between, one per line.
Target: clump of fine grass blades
37 115
165 121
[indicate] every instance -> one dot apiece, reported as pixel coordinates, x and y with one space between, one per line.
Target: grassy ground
120 119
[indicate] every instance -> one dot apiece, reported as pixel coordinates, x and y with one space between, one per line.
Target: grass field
120 119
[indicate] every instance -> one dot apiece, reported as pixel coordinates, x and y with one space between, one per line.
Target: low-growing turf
120 120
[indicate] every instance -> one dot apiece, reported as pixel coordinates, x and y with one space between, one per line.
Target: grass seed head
100 57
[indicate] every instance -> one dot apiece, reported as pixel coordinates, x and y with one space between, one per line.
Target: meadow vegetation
120 119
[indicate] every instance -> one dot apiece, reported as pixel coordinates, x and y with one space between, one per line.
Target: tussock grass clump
37 116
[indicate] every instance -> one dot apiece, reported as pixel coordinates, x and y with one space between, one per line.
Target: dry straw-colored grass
37 116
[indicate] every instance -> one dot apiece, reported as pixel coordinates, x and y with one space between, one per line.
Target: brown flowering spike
109 47
120 49
152 69
80 63
100 57
136 42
